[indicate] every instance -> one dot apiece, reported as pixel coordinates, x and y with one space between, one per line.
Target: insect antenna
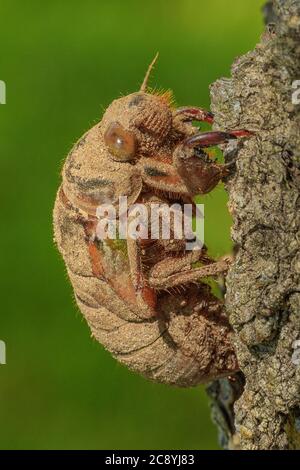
145 82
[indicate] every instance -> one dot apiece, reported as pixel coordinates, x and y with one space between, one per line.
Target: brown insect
145 300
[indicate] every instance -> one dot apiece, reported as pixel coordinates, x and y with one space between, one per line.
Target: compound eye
121 143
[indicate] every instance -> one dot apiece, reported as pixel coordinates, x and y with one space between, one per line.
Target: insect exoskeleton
146 300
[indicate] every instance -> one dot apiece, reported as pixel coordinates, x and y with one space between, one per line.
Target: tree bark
263 284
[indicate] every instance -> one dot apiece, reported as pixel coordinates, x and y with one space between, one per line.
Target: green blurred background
63 62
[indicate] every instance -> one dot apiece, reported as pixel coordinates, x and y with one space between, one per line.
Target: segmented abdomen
187 343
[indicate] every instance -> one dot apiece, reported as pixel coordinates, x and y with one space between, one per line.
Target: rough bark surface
263 285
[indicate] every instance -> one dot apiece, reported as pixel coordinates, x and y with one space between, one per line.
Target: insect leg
190 113
210 139
145 295
89 226
169 272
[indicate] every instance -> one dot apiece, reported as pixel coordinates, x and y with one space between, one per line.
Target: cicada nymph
145 300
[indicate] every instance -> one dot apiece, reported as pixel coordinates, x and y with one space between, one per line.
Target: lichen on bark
263 284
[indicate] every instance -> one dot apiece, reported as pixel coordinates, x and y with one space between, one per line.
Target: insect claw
242 133
210 139
195 114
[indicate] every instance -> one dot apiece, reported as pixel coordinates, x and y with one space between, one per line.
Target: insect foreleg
179 271
210 139
192 113
145 295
